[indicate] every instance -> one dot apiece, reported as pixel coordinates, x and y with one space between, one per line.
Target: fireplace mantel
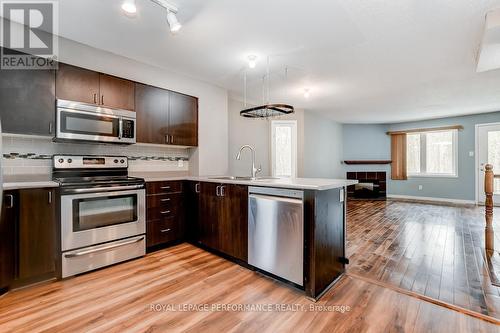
368 162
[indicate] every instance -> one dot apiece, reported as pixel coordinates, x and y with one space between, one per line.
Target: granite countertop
16 182
296 183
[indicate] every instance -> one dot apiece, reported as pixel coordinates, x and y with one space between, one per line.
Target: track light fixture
172 10
173 22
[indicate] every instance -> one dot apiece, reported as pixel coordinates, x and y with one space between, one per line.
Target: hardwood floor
120 299
433 250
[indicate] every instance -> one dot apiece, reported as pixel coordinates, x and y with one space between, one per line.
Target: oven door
94 218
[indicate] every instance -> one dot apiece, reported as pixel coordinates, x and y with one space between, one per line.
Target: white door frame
476 154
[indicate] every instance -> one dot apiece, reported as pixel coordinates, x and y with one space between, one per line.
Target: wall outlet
420 187
180 163
471 153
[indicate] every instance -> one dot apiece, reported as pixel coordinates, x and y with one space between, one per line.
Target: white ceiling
364 60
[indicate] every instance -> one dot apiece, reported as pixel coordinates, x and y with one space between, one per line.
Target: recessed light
252 61
307 92
129 7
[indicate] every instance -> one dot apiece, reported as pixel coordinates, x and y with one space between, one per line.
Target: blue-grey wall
371 142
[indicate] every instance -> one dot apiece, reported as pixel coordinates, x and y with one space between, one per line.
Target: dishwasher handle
276 198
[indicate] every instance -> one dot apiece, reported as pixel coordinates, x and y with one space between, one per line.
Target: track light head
175 26
252 61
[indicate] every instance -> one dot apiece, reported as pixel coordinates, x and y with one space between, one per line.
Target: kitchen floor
153 294
433 250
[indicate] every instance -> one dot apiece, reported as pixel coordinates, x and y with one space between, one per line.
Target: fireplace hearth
371 186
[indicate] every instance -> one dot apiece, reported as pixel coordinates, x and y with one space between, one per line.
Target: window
432 153
284 148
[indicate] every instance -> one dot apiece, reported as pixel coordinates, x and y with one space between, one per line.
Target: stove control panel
89 162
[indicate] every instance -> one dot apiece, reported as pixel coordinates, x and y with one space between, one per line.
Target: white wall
319 143
211 157
322 147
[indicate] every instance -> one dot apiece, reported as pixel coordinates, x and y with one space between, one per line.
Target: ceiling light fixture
173 22
252 61
129 7
307 93
172 10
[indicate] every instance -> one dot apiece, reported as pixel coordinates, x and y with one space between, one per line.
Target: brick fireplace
372 185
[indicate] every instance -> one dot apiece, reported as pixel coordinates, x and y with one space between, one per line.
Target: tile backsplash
33 155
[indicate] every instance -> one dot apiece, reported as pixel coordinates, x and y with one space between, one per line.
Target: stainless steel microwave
87 122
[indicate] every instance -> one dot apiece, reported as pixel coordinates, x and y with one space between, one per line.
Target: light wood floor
434 250
119 299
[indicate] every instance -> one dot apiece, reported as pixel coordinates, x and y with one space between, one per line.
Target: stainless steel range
102 212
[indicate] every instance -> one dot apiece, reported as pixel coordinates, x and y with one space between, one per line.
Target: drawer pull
165 187
163 200
165 212
165 230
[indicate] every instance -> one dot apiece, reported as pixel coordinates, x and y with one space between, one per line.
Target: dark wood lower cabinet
223 218
27 237
36 235
7 244
164 213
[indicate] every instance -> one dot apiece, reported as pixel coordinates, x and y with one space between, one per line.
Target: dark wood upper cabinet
183 120
27 101
77 84
151 106
83 85
116 93
36 235
7 244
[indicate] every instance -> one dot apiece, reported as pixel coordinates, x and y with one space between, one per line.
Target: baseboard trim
432 199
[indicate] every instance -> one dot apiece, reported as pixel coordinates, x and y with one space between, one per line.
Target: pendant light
266 110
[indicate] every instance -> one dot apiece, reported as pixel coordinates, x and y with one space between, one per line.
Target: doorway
487 152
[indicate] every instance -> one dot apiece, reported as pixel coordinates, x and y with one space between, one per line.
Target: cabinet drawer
163 231
164 187
163 200
164 212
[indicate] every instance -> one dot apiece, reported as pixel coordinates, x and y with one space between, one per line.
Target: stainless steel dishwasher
276 232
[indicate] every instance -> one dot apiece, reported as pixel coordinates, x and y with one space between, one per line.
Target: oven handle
104 248
104 189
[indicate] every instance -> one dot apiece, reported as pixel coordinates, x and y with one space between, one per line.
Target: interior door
488 144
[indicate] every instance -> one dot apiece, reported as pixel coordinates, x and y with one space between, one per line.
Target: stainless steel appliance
276 232
87 122
102 212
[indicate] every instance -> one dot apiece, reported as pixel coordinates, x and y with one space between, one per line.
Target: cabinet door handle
197 187
11 200
165 187
166 138
165 230
50 128
95 98
217 191
102 99
171 139
50 197
222 191
165 212
163 200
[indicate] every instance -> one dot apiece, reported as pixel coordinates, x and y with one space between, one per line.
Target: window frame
293 125
423 156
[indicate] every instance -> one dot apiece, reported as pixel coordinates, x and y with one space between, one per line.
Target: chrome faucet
254 169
